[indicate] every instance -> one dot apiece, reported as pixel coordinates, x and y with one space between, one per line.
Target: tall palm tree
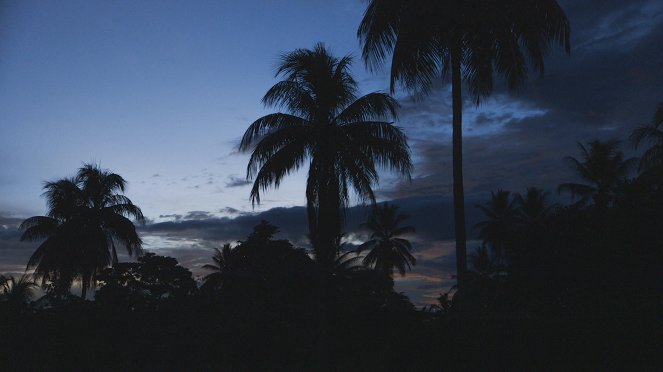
603 168
652 158
470 40
499 227
342 137
86 221
388 250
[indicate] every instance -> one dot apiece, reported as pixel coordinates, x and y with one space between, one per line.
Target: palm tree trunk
459 197
83 289
322 340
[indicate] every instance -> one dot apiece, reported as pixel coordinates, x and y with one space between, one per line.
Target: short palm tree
652 158
17 292
484 263
499 227
470 40
86 221
341 137
387 249
603 168
219 270
533 206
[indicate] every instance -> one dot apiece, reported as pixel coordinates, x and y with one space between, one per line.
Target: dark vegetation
552 286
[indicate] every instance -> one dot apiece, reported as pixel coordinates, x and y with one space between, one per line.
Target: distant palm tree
603 168
86 221
499 227
17 292
471 40
219 270
484 263
533 207
343 139
387 249
652 158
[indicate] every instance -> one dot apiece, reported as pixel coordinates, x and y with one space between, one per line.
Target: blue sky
146 89
161 91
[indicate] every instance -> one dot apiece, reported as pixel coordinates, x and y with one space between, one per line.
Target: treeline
256 311
574 285
551 286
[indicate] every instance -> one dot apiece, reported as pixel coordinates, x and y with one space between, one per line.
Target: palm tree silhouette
344 139
484 263
468 39
222 260
499 227
652 158
388 251
86 221
19 292
603 169
533 207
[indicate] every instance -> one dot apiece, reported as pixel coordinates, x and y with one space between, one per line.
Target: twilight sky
161 91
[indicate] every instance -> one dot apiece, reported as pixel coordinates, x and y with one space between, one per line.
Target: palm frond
38 227
292 96
273 168
266 125
371 107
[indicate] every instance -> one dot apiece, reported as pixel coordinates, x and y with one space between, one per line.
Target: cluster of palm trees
505 215
88 219
342 138
469 40
604 172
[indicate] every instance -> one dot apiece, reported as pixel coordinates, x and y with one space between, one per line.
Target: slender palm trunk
459 197
83 290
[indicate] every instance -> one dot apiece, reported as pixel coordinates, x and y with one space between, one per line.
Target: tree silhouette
468 39
532 207
499 227
387 250
86 221
484 263
219 269
603 168
652 158
17 293
343 137
146 283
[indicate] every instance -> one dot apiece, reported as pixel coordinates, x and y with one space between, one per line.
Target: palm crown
388 250
652 158
502 214
344 138
87 220
603 168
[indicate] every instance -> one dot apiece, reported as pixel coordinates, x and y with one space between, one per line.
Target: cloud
609 85
198 215
229 210
236 181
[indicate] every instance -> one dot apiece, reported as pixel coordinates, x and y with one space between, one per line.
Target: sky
160 92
